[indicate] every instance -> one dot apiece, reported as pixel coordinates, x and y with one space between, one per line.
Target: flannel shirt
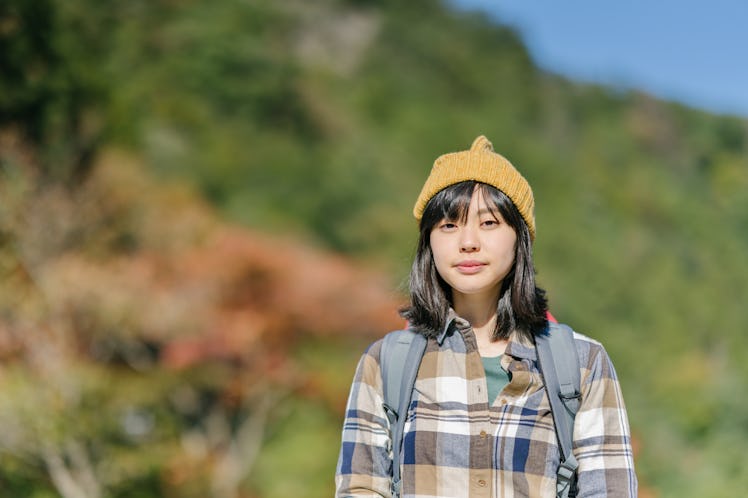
457 444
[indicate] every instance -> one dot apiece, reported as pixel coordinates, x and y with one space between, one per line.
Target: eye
447 226
490 223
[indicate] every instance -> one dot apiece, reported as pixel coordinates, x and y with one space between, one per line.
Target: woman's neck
481 313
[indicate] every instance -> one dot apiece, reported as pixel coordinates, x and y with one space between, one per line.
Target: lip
469 266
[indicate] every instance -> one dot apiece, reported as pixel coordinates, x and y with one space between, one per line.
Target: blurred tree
322 119
53 83
160 357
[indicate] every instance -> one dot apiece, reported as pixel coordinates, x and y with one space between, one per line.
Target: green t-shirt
496 377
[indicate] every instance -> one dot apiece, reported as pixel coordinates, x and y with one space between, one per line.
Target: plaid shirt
457 445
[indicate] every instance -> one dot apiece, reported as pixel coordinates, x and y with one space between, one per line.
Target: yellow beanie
481 164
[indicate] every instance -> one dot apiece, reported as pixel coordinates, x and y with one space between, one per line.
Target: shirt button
483 434
482 483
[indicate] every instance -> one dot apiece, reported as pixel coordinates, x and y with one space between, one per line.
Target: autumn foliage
135 323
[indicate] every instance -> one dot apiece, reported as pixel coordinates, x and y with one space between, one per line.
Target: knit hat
481 164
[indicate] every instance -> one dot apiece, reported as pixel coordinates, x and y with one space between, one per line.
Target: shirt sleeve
365 461
602 438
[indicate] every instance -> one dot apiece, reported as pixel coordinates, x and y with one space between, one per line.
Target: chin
469 291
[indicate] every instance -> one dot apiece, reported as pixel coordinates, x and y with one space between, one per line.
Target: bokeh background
205 218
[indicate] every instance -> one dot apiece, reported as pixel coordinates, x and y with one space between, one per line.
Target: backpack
400 359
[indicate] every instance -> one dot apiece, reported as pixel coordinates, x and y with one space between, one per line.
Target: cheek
434 245
438 260
438 254
506 245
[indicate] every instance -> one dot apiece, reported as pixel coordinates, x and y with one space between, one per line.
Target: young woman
479 422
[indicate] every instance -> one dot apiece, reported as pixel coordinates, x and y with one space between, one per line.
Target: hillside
318 121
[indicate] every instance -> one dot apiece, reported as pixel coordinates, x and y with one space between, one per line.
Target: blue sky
690 51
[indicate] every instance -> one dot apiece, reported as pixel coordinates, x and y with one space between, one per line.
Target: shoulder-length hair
521 306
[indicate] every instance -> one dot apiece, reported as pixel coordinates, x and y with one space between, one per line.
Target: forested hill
321 119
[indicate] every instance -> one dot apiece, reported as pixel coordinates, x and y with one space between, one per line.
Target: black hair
522 306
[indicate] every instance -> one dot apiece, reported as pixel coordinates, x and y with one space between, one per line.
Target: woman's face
473 256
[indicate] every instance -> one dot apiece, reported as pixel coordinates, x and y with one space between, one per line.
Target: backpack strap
400 358
559 364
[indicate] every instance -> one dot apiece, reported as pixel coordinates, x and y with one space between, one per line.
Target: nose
468 240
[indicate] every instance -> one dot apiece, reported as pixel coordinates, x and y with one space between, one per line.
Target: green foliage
297 454
323 118
53 81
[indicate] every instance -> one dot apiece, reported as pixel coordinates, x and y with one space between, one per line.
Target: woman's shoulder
585 344
592 354
374 349
584 341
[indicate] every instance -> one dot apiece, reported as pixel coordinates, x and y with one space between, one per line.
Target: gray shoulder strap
559 364
392 356
400 358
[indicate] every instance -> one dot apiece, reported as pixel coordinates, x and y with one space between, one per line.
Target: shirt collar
519 346
453 322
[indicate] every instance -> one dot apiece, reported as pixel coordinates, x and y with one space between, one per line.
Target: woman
479 422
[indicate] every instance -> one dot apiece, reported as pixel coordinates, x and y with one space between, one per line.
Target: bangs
453 203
